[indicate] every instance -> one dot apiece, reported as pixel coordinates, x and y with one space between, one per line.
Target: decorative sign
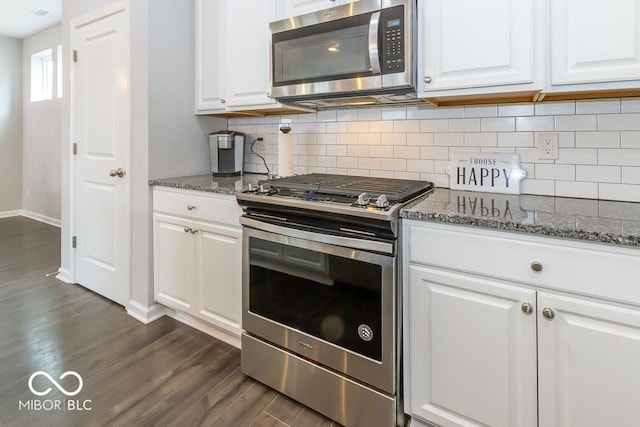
486 172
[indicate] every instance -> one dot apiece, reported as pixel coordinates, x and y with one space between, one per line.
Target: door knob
117 172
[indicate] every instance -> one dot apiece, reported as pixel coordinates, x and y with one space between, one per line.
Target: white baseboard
38 217
8 214
144 314
207 328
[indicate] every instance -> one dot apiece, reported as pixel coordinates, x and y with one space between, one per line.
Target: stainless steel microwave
356 49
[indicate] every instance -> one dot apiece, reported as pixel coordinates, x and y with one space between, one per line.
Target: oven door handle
374 49
348 242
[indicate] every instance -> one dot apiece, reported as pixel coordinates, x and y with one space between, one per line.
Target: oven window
335 299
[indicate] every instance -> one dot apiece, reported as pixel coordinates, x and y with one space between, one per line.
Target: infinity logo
55 383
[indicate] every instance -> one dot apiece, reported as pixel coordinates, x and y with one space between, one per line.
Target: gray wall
10 125
177 138
41 136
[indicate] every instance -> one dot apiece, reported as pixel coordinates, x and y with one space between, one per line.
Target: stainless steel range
321 301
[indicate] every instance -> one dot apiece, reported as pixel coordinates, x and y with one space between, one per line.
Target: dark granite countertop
224 185
579 219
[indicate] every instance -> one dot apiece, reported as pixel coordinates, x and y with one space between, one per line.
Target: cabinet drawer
220 208
585 268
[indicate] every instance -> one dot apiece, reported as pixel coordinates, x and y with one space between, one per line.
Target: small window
41 75
59 70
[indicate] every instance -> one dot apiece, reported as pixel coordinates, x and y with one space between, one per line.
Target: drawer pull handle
548 313
536 266
191 207
527 308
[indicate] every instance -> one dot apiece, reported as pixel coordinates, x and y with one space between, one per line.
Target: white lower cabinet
197 263
489 345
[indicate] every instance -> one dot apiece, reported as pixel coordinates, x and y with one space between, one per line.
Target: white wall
178 143
599 155
10 125
41 136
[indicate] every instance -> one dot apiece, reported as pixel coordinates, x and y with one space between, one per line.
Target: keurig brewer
226 151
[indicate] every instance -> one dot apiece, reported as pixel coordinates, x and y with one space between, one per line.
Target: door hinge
74 242
75 56
75 148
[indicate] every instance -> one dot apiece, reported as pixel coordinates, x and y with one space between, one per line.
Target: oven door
331 304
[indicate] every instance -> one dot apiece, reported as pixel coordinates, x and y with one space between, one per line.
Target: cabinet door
247 56
210 38
174 261
589 363
472 350
476 44
595 41
219 275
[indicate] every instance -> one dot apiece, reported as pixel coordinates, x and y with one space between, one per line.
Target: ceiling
18 21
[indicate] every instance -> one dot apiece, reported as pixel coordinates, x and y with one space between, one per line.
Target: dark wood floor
164 373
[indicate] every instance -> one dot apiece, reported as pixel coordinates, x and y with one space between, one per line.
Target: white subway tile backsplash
421 113
357 127
590 106
358 150
555 108
406 126
599 143
394 164
420 165
625 192
534 124
576 123
516 139
597 139
435 153
556 172
498 124
385 151
513 110
631 175
381 126
631 105
448 139
369 163
578 156
481 111
583 190
464 125
449 112
630 139
406 152
627 157
394 139
436 125
487 139
598 173
619 121
419 139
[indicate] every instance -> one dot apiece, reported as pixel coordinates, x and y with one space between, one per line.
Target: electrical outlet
261 146
547 144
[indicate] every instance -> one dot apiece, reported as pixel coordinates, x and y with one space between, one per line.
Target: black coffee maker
226 151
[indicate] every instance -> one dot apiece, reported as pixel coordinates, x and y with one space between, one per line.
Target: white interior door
102 132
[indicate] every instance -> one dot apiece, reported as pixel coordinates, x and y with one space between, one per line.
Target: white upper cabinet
289 8
210 69
594 45
469 47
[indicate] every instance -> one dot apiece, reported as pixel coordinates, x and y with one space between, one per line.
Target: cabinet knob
187 229
223 101
548 313
536 266
427 79
527 308
193 231
191 207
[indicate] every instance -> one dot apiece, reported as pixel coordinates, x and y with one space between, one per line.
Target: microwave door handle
374 51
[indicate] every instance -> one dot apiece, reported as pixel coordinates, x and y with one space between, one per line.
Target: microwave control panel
393 57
